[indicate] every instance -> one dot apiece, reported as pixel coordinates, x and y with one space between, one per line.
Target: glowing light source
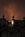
12 22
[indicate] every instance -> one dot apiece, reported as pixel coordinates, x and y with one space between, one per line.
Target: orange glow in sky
13 9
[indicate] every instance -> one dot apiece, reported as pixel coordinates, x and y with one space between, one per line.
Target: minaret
13 18
3 16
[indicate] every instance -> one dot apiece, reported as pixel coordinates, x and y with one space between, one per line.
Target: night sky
10 8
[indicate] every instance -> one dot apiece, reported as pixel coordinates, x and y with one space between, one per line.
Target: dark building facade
17 30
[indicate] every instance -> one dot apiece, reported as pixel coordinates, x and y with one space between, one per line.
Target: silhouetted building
3 26
23 18
13 18
24 21
3 23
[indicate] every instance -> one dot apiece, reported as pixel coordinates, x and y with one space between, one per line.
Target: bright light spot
12 22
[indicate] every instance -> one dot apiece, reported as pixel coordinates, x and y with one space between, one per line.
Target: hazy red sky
12 8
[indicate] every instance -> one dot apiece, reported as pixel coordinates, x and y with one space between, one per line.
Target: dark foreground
13 33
